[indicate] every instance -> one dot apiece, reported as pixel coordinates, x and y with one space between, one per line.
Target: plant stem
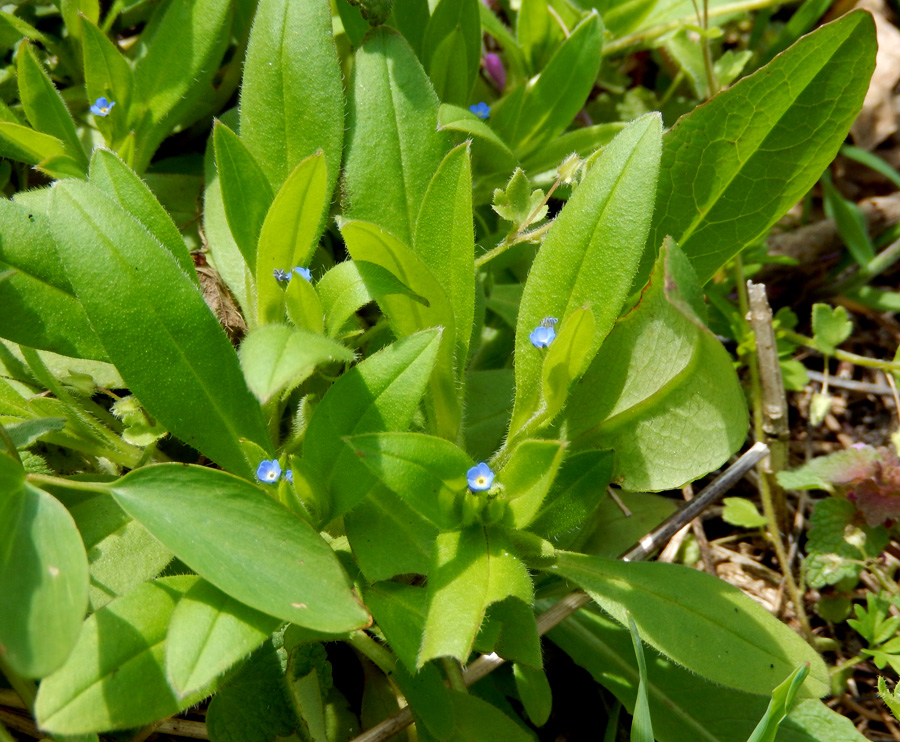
842 355
846 665
71 484
367 646
454 674
26 688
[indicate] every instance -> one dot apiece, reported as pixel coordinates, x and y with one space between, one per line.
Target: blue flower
303 272
289 475
480 477
544 334
482 110
281 275
268 471
102 107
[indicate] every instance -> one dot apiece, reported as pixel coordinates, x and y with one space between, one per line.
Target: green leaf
119 657
534 691
184 47
453 24
290 231
380 394
427 473
711 628
538 33
118 181
476 719
472 568
445 238
831 327
488 397
850 222
292 101
209 632
351 285
527 478
277 357
44 106
25 433
567 359
756 166
517 202
739 511
399 611
684 706
576 491
367 242
40 308
22 144
584 141
302 303
43 574
641 725
559 92
686 382
590 254
244 543
394 146
107 74
153 304
246 192
781 703
488 149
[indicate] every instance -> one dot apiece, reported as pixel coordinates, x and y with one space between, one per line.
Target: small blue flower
102 107
303 272
281 275
482 110
268 471
480 477
544 334
289 475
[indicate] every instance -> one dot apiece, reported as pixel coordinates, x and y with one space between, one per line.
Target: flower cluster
269 472
281 275
544 334
482 110
480 477
102 107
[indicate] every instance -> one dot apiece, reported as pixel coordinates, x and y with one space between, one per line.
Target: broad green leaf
590 254
380 394
393 146
472 568
445 238
43 574
710 627
476 719
575 493
488 149
488 397
427 473
208 633
756 165
40 308
684 706
410 17
246 193
538 33
118 181
277 357
527 478
301 300
559 92
25 433
567 359
351 285
739 511
399 610
107 74
44 106
534 691
368 242
23 144
290 231
119 658
292 102
584 142
184 47
153 304
661 370
244 543
453 24
831 327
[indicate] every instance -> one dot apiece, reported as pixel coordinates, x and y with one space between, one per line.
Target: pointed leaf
527 478
380 394
119 657
209 632
711 628
153 304
43 574
394 146
591 252
292 101
22 144
757 165
453 23
107 74
275 357
244 543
